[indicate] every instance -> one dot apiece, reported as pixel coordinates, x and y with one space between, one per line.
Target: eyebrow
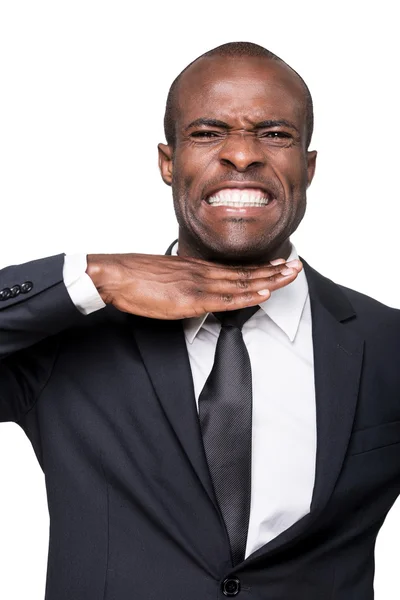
269 123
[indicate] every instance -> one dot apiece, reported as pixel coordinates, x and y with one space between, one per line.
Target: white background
83 89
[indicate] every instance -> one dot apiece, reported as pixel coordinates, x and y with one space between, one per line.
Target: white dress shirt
279 342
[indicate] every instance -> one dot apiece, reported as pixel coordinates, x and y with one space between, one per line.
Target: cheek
294 171
192 169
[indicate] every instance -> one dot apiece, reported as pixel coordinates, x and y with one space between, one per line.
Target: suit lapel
162 345
338 354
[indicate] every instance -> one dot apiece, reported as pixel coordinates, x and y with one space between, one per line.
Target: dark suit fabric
108 403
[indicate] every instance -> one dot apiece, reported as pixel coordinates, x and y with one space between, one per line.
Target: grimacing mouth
237 186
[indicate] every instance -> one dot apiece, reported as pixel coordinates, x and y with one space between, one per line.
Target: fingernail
277 261
263 292
287 271
293 263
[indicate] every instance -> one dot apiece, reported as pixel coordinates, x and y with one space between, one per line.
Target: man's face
240 135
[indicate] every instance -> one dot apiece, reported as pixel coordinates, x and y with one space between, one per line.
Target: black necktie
225 411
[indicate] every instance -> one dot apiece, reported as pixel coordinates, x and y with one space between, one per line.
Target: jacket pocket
371 438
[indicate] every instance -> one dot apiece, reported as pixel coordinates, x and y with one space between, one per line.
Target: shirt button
231 586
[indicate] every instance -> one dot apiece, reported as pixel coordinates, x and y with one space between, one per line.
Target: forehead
240 88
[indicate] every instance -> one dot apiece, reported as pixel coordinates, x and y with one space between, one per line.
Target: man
210 424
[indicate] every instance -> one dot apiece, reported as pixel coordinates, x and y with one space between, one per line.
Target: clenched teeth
236 197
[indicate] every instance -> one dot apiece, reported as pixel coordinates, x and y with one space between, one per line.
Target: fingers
228 294
271 277
223 272
239 286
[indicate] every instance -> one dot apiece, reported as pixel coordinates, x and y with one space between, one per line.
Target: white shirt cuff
80 287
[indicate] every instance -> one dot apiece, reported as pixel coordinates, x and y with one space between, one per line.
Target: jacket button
231 586
15 290
26 287
5 294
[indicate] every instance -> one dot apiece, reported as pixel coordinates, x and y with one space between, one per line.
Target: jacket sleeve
34 307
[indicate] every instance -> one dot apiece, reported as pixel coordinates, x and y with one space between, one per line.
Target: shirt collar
284 306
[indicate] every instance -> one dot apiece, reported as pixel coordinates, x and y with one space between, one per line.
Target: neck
186 250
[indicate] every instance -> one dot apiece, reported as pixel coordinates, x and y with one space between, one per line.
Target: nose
242 151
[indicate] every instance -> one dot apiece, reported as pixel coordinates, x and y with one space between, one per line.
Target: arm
38 299
35 305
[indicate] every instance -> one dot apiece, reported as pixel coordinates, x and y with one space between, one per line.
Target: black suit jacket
107 401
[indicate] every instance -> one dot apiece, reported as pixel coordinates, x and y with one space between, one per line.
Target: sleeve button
5 294
15 290
26 287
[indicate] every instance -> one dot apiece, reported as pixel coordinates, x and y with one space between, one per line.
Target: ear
165 154
311 163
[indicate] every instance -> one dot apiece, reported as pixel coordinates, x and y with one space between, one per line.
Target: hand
171 287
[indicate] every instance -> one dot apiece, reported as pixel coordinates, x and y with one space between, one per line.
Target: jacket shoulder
347 303
369 305
374 319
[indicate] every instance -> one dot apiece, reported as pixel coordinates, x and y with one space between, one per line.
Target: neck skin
185 250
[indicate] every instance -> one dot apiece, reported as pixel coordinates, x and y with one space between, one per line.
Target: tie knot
236 318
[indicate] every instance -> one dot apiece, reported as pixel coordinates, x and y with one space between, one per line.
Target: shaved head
231 50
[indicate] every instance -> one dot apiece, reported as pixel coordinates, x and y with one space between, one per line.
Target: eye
206 134
276 134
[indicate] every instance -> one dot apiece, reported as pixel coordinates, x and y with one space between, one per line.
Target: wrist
97 269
